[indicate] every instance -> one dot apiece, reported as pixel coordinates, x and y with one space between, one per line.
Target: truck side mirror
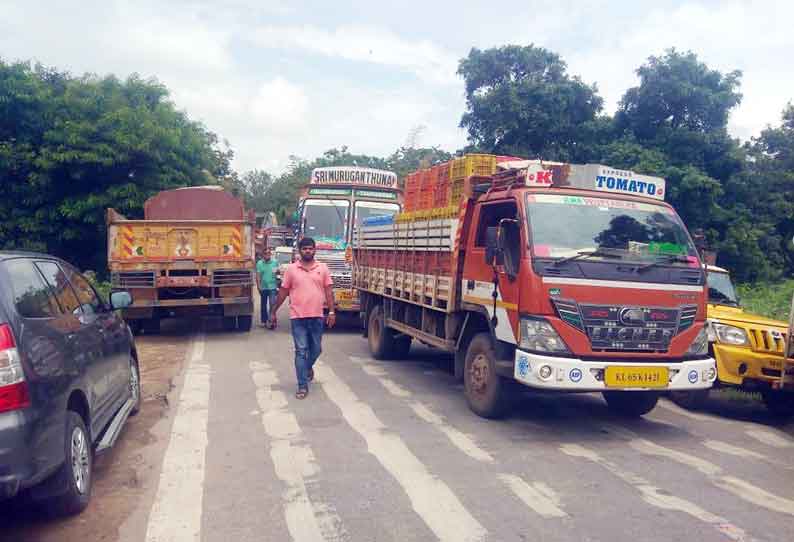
700 240
493 249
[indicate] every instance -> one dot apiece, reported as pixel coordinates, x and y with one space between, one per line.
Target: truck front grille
342 281
770 341
231 277
132 279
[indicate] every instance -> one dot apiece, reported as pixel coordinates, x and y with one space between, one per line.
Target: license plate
636 377
344 296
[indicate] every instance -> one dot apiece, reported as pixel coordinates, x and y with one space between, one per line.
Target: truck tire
631 404
229 323
486 391
380 337
401 348
779 404
244 323
151 326
76 473
690 400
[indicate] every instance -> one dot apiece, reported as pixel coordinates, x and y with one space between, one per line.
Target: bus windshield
326 222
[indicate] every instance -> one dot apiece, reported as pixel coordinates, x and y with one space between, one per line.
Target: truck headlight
731 334
540 336
700 346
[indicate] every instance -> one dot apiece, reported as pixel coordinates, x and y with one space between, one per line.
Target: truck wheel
380 338
244 323
779 404
229 323
151 326
401 347
691 400
631 404
76 473
485 390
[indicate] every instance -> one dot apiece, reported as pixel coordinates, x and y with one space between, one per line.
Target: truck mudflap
573 374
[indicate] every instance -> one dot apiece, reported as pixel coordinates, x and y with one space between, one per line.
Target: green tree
521 100
72 146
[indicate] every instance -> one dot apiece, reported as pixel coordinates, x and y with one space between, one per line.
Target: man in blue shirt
266 268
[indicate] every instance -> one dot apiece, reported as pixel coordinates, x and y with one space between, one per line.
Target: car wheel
77 469
135 386
486 391
631 404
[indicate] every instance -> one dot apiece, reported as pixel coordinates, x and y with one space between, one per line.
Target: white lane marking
742 489
769 438
177 508
687 414
724 447
539 497
430 497
655 496
459 439
294 462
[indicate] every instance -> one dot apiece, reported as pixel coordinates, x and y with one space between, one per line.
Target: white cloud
281 104
365 44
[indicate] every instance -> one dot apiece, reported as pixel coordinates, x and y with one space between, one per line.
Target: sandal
311 375
301 393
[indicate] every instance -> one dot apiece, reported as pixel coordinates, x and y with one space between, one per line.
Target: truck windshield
366 209
326 222
721 291
565 226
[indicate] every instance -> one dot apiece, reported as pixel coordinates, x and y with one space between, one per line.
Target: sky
279 78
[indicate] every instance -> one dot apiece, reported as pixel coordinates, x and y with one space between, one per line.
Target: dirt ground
125 472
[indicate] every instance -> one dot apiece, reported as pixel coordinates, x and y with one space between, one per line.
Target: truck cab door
479 276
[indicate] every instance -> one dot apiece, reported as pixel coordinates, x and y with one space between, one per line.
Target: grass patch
770 300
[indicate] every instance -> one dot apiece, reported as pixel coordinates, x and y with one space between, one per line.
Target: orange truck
191 256
563 277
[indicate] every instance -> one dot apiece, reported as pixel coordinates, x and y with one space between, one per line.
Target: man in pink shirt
308 285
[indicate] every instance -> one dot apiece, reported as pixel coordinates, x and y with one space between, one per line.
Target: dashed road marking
740 488
537 496
769 438
177 508
431 498
657 497
294 462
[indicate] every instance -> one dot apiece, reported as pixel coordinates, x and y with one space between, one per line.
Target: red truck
574 278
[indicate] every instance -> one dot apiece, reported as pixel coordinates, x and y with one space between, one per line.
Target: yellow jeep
749 349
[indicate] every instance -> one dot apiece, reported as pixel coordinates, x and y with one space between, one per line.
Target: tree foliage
72 146
673 124
521 100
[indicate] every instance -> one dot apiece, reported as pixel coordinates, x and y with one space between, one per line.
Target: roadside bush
771 300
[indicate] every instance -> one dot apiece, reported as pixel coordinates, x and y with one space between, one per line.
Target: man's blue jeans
307 334
267 299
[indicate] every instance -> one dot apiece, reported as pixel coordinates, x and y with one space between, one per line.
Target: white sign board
351 175
617 181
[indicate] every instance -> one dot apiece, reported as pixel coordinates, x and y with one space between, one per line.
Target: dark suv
68 379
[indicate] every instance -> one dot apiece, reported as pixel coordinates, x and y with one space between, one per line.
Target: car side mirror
120 300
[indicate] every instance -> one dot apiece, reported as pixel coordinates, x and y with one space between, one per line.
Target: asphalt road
389 451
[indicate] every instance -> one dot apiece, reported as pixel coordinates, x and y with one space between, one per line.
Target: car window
64 293
490 216
88 298
32 297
